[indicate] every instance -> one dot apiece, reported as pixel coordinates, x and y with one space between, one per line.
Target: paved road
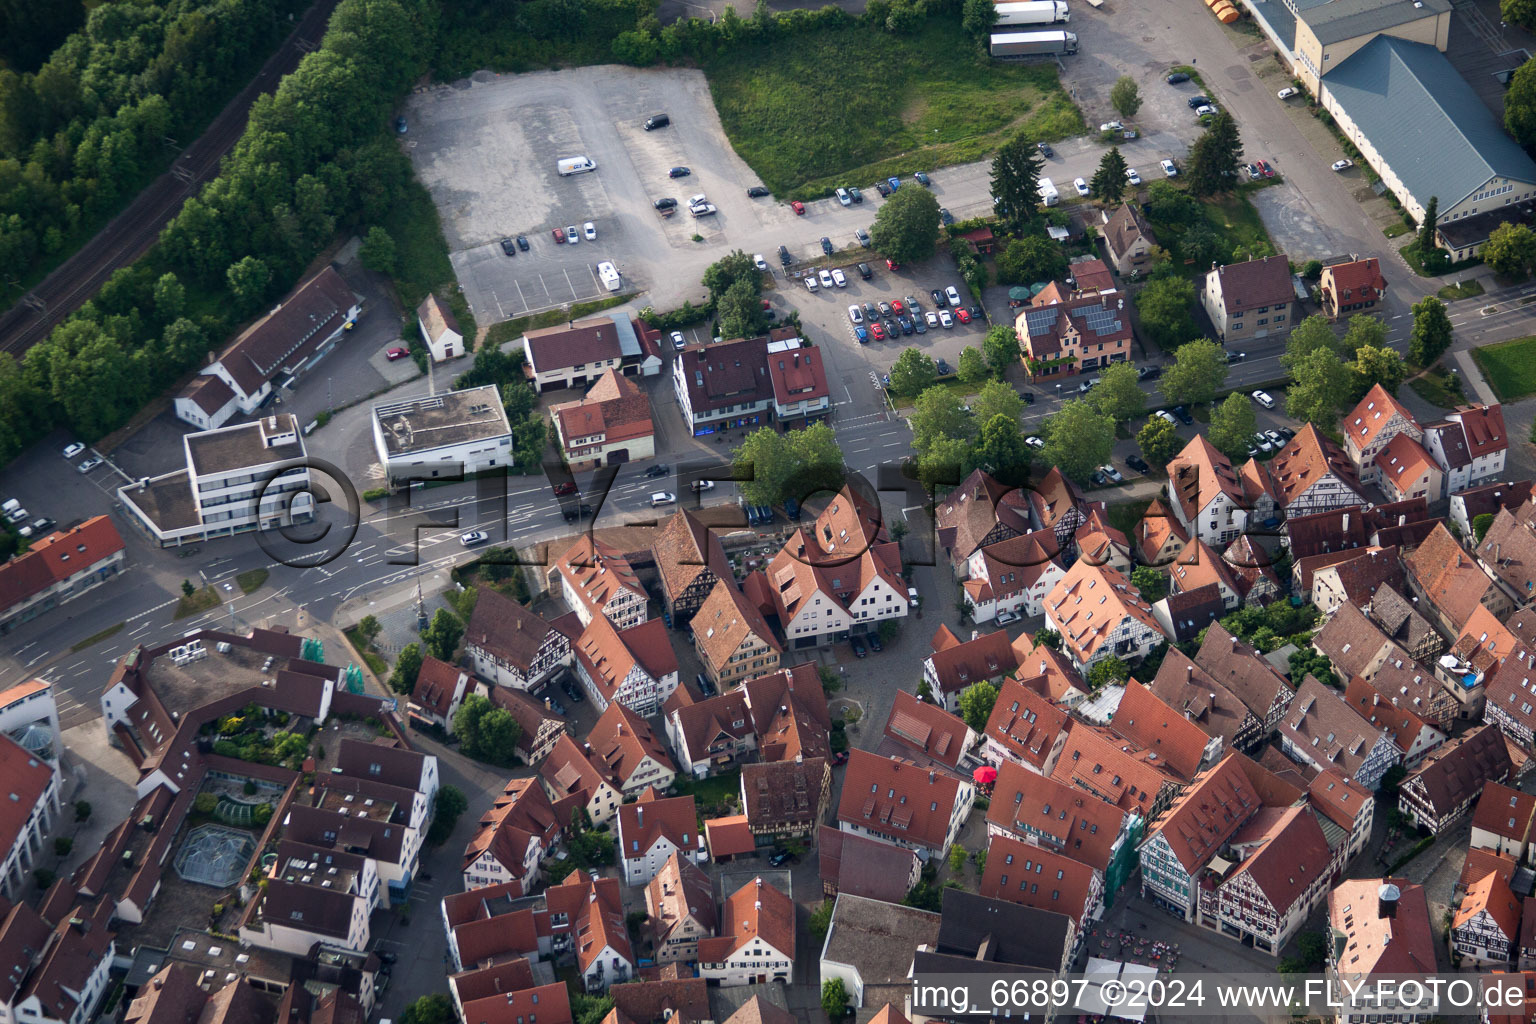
133 231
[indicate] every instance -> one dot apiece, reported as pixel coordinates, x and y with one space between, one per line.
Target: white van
1048 194
609 275
575 165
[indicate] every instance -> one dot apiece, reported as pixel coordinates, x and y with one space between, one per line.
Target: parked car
883 188
1137 463
1253 171
897 307
922 179
943 368
870 312
704 210
963 315
886 309
1262 443
658 470
945 217
798 207
1177 78
905 323
1111 474
862 236
1235 357
1081 184
572 691
509 247
84 467
1202 111
877 330
473 538
826 245
572 236
932 318
810 282
679 172
843 197
858 647
938 297
759 262
1198 101
953 295
825 276
1148 372
865 272
559 234
1182 412
840 757
1343 165
522 242
396 353
700 486
945 320
758 192
780 857
1005 617
784 256
1164 414
858 197
874 643
589 229
1169 168
855 315
677 340
1045 149
1035 441
1265 169
1287 92
895 183
1131 176
1287 433
401 126
918 325
72 449
1111 126
1275 438
663 498
861 335
665 204
657 121
1264 399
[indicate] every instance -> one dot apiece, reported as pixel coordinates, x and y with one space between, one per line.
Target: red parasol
985 775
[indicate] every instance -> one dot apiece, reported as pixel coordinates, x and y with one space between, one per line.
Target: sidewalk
1471 374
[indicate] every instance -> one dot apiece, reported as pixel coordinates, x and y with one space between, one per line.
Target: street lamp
1058 391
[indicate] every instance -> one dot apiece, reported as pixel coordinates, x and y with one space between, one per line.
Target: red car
798 207
892 265
878 331
962 316
563 489
397 353
1265 169
841 757
559 234
897 307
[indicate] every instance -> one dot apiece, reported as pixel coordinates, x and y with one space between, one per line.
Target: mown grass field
1509 367
1232 217
854 105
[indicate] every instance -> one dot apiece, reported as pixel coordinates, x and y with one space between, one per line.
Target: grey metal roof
1425 121
1334 20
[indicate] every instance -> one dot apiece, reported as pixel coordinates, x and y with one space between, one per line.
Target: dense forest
84 132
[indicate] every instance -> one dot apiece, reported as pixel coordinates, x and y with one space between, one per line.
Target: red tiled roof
1337 798
1025 723
56 557
609 654
1077 824
729 836
1035 877
1372 414
1504 811
1293 854
1096 760
1202 818
25 779
1254 283
1451 579
1145 720
1307 459
861 866
754 911
652 818
1490 893
1375 944
970 661
1404 462
1155 528
614 409
927 729
436 685
1484 426
1090 603
620 741
1355 281
1200 474
896 797
797 376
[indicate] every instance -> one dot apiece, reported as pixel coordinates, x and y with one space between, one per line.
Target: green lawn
1416 261
251 581
1439 387
855 104
1466 290
422 265
511 330
1509 367
1232 217
96 638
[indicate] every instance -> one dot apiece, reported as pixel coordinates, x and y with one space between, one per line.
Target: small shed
439 329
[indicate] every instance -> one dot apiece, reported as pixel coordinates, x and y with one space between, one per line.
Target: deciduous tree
407 668
1232 425
973 365
913 372
1431 331
1363 330
976 703
377 252
1199 370
1078 438
1125 96
441 637
1001 451
1118 393
997 398
1520 99
1001 345
977 18
1511 249
1165 305
1159 441
1320 385
1374 366
1031 259
906 227
937 413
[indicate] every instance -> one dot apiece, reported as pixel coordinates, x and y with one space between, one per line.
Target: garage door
618 456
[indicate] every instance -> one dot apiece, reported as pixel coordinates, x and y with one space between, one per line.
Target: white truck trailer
1033 44
1031 12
